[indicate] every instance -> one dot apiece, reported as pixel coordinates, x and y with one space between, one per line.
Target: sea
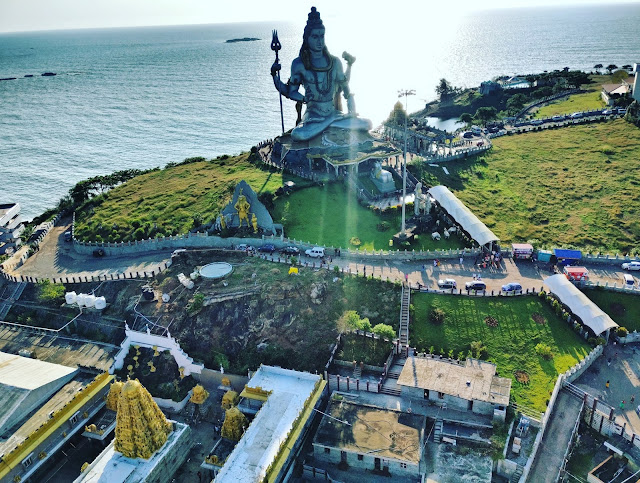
143 97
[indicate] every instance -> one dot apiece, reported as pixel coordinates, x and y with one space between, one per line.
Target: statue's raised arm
323 79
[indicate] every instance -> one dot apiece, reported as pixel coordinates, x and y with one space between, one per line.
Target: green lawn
510 345
623 308
164 202
364 349
585 101
571 187
331 216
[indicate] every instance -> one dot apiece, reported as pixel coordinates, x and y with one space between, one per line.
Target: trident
275 46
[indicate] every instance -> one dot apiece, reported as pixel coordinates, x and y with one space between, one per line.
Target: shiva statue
323 79
242 207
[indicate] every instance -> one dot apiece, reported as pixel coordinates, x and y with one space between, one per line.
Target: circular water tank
100 303
216 270
166 297
70 297
81 299
90 300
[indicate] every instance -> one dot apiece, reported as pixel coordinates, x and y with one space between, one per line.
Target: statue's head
313 37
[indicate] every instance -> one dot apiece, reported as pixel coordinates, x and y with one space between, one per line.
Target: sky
29 15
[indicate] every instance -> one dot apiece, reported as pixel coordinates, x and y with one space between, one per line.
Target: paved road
57 258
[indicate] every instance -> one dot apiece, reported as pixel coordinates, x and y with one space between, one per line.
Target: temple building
147 447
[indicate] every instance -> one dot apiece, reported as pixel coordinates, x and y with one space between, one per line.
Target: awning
590 314
462 215
568 254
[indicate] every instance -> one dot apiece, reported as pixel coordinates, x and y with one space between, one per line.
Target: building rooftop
58 349
367 429
476 380
259 447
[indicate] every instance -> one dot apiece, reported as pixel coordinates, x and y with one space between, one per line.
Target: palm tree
611 67
597 67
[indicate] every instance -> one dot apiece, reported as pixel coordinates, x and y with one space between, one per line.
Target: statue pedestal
399 238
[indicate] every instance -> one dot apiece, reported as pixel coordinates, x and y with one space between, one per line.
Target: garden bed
370 351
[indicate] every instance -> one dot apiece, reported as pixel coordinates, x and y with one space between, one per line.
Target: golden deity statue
254 222
242 206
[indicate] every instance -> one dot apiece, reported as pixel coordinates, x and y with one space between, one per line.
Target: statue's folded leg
354 123
310 129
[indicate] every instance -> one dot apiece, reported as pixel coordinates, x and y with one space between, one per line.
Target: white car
315 252
631 266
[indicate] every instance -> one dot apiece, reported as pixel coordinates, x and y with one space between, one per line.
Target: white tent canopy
590 314
462 215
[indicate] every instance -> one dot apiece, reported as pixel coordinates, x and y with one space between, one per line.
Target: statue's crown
314 20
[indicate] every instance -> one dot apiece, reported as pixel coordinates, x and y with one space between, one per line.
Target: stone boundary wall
365 367
146 339
348 384
576 371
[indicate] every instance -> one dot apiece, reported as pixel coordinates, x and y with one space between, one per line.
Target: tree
444 89
516 102
384 330
597 67
466 118
611 67
398 115
485 114
627 67
50 292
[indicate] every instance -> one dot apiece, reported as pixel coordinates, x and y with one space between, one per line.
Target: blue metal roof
562 253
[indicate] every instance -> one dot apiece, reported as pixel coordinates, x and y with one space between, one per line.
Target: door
377 464
343 456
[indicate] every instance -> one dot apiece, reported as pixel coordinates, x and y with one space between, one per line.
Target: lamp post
405 93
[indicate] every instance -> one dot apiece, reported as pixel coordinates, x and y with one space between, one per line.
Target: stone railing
162 343
576 371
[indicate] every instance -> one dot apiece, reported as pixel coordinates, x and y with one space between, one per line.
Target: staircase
357 372
389 391
404 316
437 431
6 306
515 478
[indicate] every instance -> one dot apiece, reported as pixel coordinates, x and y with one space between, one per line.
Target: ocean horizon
146 96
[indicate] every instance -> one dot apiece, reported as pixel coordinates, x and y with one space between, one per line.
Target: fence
348 384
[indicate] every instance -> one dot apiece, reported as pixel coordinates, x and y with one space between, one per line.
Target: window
403 465
440 395
27 461
327 450
360 457
74 419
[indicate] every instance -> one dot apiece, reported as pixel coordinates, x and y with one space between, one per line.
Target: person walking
461 260
622 404
633 398
607 385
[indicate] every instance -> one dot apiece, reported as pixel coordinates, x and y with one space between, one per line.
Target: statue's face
316 40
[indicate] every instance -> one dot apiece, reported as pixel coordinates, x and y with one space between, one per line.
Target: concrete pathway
556 438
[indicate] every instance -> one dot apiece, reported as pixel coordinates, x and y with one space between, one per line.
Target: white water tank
70 297
100 303
185 281
90 300
81 299
166 297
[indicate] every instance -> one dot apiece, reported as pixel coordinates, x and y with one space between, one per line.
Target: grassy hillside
166 202
575 186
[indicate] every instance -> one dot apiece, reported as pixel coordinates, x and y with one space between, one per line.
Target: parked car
291 250
631 266
467 135
607 112
512 287
480 144
494 130
447 283
536 122
315 252
576 115
475 285
629 281
267 248
243 247
557 118
622 111
67 236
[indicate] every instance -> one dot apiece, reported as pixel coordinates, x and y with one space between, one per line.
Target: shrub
544 351
437 316
383 226
355 241
622 332
384 330
196 305
478 349
50 293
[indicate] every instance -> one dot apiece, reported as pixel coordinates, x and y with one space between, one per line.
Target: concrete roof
590 314
24 373
462 215
260 444
451 378
365 429
58 349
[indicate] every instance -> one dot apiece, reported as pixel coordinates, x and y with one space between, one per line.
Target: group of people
491 260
